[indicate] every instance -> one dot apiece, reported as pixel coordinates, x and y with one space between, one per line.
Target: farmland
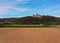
29 35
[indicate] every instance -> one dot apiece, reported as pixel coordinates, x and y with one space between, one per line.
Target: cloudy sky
20 8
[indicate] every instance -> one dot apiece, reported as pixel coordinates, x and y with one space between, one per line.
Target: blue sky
20 8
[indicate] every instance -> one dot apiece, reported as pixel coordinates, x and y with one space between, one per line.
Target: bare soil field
29 35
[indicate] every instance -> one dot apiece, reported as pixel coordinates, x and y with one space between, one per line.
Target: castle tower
37 15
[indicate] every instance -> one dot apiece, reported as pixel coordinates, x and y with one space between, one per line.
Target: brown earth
30 35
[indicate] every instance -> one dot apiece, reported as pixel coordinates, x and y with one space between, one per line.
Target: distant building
37 15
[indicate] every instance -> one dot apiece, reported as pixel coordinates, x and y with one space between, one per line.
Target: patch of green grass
25 26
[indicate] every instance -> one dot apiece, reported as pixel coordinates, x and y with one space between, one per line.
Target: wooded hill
32 20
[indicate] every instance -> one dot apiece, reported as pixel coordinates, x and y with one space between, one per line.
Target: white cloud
20 9
1 17
6 9
52 9
22 0
13 2
10 5
3 9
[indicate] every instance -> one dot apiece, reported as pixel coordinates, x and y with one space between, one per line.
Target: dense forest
32 20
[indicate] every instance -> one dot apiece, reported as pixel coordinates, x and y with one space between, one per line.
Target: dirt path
33 35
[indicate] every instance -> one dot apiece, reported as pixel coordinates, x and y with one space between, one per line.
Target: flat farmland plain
29 35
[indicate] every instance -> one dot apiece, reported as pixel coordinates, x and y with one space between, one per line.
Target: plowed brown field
30 35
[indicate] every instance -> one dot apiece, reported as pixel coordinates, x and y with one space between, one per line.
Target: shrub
1 25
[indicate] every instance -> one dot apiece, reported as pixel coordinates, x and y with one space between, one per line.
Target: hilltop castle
37 15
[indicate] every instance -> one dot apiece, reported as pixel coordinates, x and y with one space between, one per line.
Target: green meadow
25 26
